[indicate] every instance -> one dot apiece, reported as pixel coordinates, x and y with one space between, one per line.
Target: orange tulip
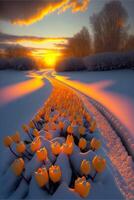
92 126
20 147
35 145
37 118
7 141
18 166
85 167
41 177
42 154
99 163
82 143
55 173
88 117
70 130
82 130
25 128
31 124
16 137
36 133
74 123
70 139
53 126
82 187
61 125
56 147
95 144
48 136
67 148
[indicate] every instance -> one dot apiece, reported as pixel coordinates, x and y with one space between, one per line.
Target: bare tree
80 44
109 27
129 43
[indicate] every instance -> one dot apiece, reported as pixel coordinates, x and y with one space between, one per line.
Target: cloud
32 43
31 40
25 12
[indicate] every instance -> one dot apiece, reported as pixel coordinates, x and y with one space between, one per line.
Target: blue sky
65 24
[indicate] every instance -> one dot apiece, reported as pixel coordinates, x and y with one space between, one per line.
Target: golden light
51 58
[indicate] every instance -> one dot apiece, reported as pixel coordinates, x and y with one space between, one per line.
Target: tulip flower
82 130
95 144
53 126
46 127
41 177
70 139
85 167
48 136
67 148
42 154
36 133
20 147
88 117
18 166
82 143
37 118
31 124
26 130
74 123
35 145
16 137
82 187
70 130
99 165
8 142
56 148
92 126
55 173
61 125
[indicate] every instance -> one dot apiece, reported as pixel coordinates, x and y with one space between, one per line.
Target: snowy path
113 89
21 95
122 162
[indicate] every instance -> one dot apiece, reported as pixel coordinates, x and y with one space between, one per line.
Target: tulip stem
30 136
94 175
24 178
29 152
26 156
13 152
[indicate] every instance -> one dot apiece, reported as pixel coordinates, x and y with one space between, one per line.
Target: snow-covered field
113 89
23 93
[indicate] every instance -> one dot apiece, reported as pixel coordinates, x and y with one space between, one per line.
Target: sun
51 58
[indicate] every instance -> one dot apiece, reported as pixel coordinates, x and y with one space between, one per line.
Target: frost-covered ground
21 95
113 89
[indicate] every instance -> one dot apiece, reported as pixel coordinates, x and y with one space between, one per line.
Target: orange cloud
28 12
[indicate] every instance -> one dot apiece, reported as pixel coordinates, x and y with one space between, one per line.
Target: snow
18 110
15 187
113 89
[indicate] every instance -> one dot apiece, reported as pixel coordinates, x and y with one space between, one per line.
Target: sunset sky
43 25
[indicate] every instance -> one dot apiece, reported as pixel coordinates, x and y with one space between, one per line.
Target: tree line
110 33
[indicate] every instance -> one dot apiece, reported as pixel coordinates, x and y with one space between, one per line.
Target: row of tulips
67 106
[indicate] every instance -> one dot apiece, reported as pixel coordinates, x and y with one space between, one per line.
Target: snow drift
101 61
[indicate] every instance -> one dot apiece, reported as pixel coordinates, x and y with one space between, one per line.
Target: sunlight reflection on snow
15 91
121 106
